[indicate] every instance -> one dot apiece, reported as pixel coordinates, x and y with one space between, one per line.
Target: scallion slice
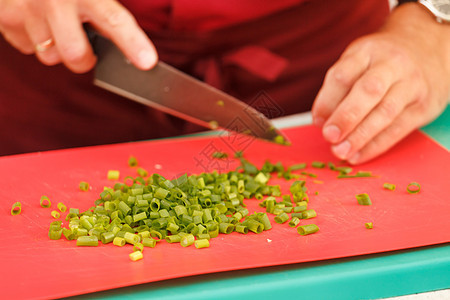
16 208
113 175
307 229
363 199
45 202
413 188
136 255
84 186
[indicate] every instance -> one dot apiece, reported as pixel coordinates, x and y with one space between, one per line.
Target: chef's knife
179 94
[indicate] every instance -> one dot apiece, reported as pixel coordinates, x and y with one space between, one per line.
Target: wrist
425 27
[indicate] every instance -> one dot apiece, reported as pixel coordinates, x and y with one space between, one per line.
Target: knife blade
174 92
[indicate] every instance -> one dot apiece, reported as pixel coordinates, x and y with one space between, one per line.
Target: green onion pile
189 210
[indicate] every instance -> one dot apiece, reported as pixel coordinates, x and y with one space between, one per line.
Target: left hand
385 85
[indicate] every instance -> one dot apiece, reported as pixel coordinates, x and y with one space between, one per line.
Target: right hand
28 23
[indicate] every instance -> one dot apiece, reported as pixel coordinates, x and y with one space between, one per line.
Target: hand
53 30
385 85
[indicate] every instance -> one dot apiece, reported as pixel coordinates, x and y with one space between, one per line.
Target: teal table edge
372 276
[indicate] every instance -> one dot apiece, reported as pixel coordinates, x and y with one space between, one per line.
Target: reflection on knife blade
179 94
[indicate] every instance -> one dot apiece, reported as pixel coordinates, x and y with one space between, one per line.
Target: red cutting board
32 266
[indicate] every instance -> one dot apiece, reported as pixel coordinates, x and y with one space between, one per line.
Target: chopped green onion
187 240
55 225
279 139
45 202
142 172
203 243
281 218
301 206
156 235
241 228
413 188
389 186
131 238
254 225
226 228
358 174
84 186
369 225
189 209
16 208
264 219
132 161
87 241
294 222
136 255
297 167
318 164
113 175
55 214
107 237
174 238
140 216
69 234
149 242
118 241
363 199
307 229
219 154
138 247
363 174
309 213
312 175
62 207
238 154
55 234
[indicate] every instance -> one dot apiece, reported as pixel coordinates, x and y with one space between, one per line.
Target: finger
387 138
366 93
381 117
40 35
70 39
338 83
116 23
19 39
11 27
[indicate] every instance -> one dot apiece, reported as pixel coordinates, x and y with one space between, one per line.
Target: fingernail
146 59
354 159
332 133
319 121
342 149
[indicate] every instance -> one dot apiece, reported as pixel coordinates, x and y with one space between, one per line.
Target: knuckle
115 16
349 118
399 58
388 110
372 85
339 75
396 130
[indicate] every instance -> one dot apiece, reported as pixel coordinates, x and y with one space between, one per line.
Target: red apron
242 47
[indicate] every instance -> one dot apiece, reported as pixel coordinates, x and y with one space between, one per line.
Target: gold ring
45 45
